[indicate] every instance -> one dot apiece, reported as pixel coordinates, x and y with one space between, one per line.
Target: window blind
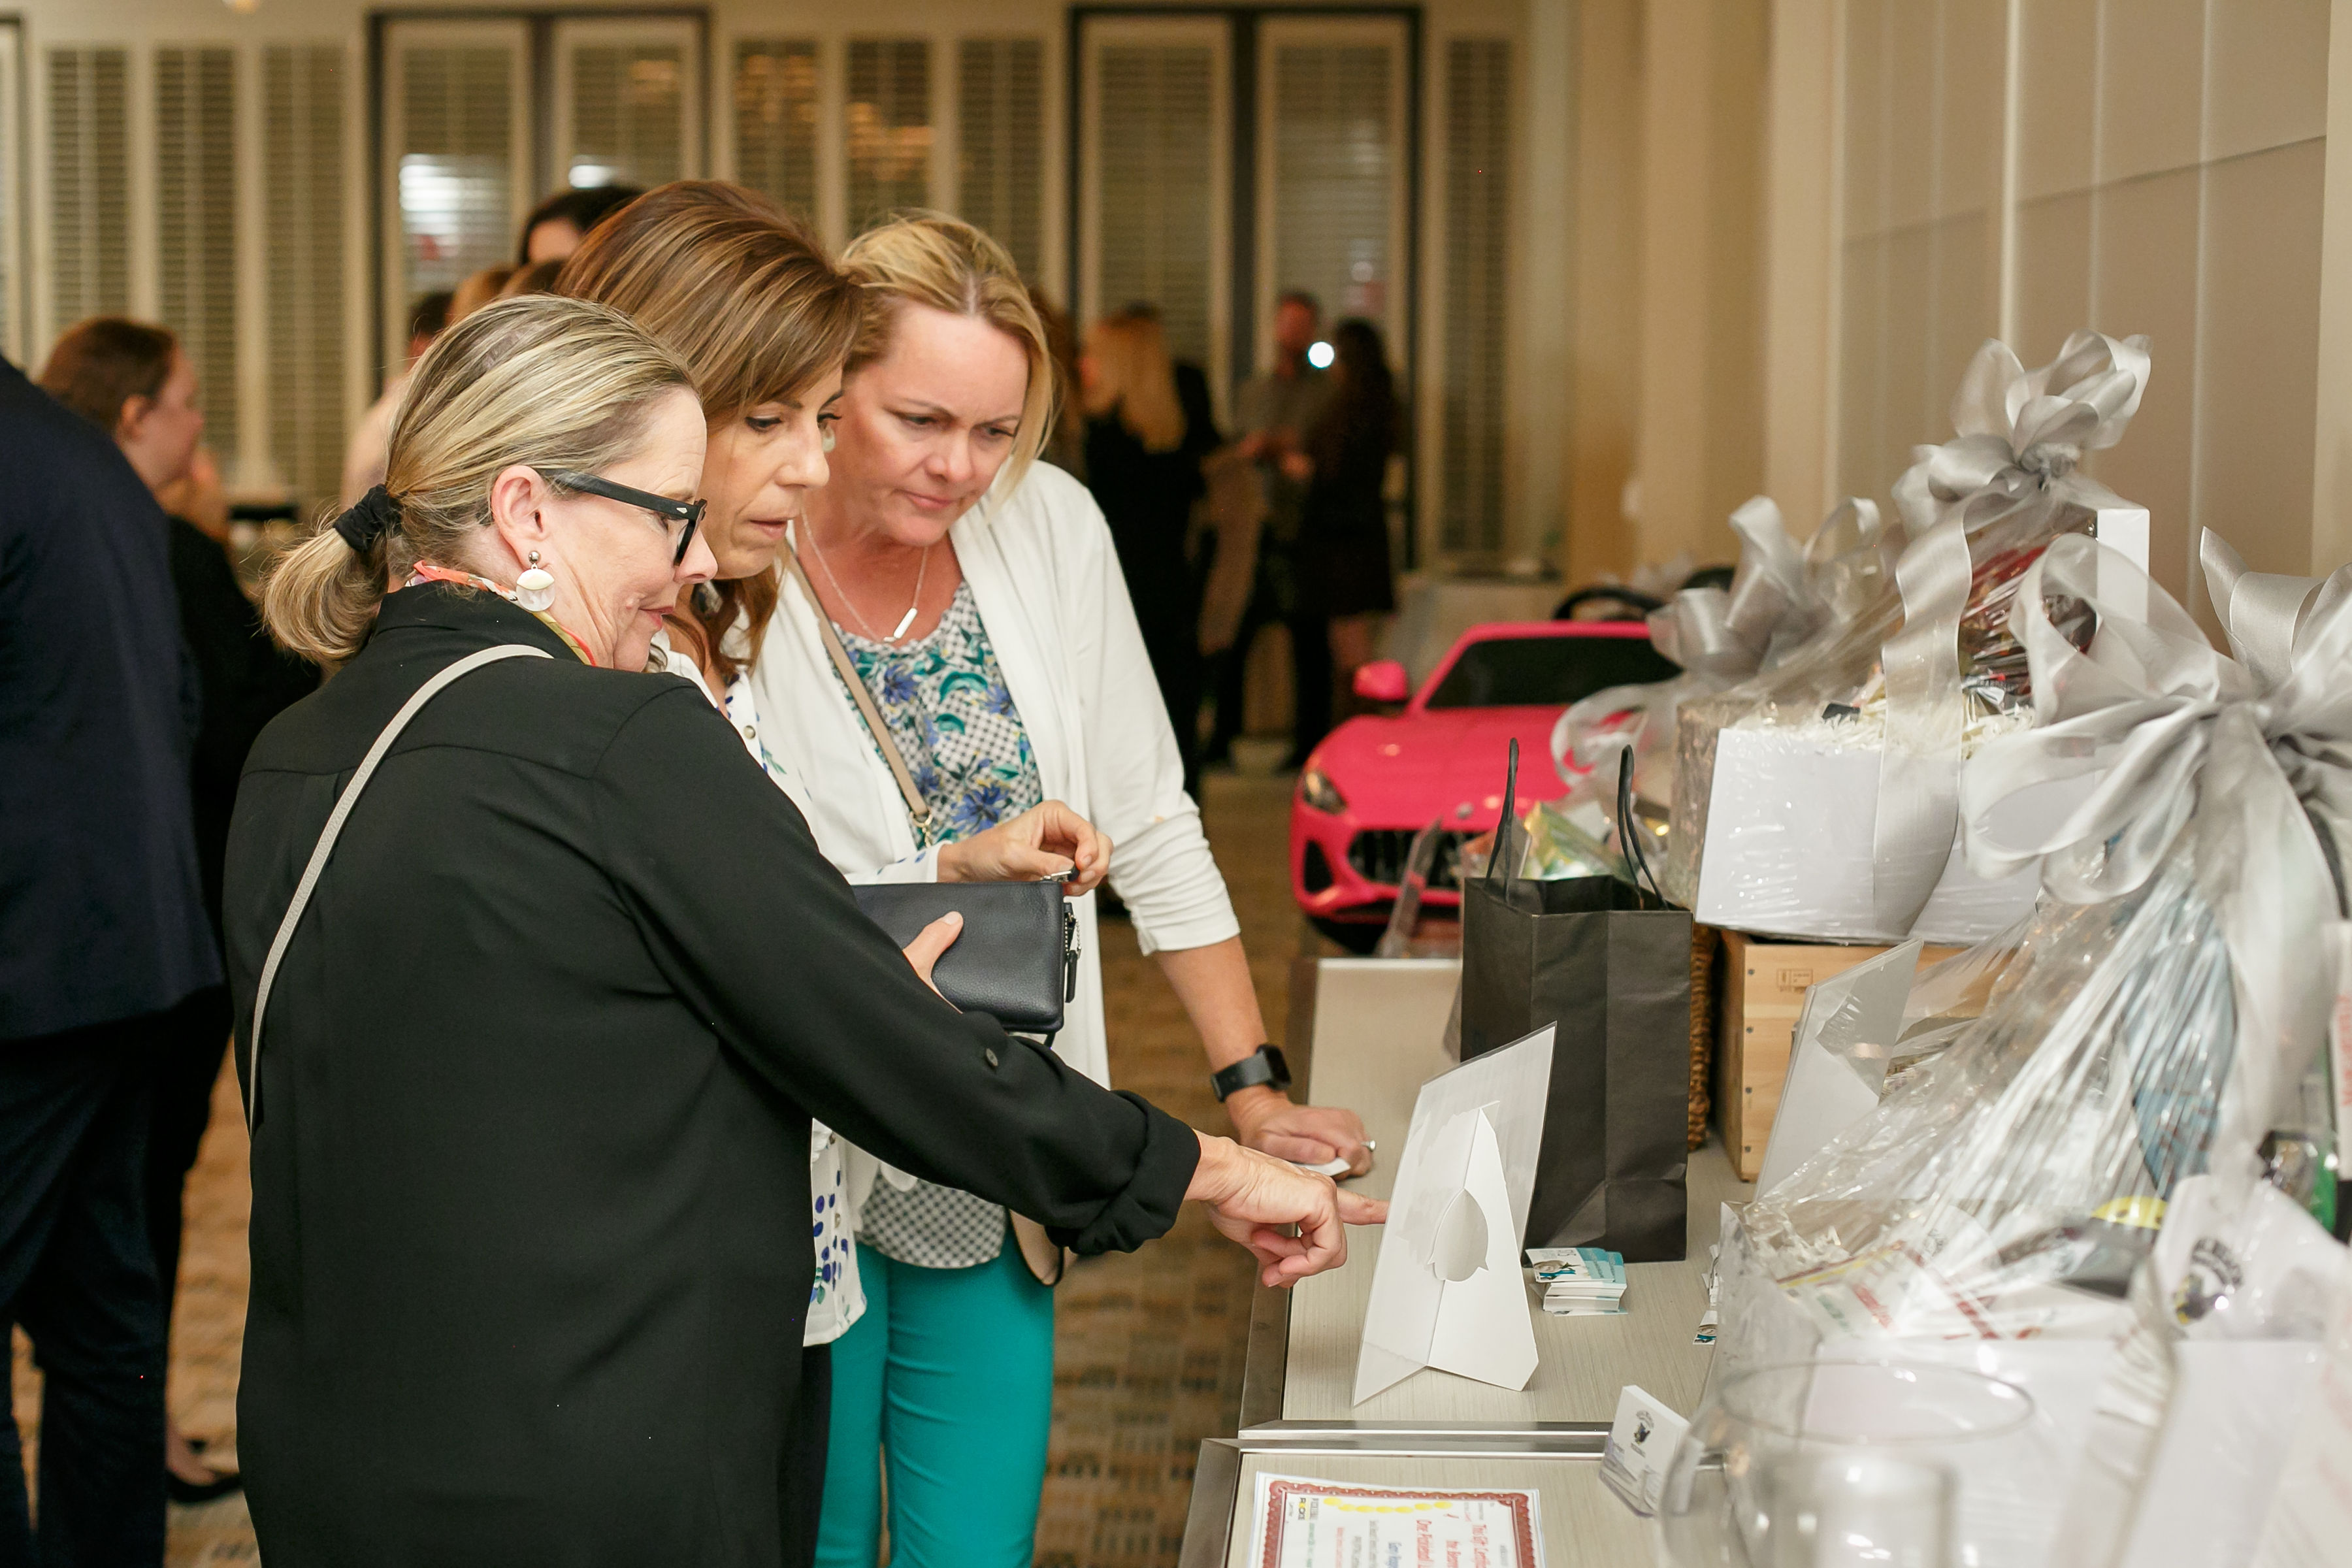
1478 242
1001 143
90 184
887 127
195 225
1157 143
775 121
303 92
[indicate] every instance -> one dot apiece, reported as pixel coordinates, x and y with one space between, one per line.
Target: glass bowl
1871 1464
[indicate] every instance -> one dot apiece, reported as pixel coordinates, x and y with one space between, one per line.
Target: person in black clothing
530 1102
102 936
1345 576
1272 414
132 381
1149 426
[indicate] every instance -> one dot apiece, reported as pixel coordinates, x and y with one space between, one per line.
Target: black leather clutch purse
1017 960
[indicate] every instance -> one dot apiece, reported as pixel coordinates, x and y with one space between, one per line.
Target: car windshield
1546 672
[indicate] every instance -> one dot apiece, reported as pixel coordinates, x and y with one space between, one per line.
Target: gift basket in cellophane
1783 596
1819 798
2056 1196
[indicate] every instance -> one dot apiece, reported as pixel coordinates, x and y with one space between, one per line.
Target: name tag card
1642 1444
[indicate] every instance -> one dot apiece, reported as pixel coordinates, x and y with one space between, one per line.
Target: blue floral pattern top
949 711
948 708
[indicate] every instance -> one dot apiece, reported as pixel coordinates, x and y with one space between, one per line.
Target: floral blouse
948 708
953 721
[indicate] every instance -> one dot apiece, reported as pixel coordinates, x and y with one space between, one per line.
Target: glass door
1155 161
628 101
456 178
1332 160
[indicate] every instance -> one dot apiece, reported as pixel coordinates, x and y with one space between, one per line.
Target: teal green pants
949 1377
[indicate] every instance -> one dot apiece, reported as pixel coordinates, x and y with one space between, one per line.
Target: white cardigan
1048 584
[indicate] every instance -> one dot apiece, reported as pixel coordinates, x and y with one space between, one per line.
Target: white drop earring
535 589
825 439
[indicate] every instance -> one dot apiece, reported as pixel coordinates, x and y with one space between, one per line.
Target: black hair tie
374 515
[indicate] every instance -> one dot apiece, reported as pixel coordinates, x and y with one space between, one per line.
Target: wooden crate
1763 985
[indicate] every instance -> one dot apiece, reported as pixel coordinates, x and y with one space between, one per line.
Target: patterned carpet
1147 1361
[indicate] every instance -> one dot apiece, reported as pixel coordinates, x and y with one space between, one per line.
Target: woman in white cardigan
978 595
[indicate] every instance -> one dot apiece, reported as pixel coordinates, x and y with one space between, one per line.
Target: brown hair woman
748 302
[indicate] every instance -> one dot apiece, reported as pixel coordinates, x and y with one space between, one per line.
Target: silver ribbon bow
2020 434
1780 595
2253 754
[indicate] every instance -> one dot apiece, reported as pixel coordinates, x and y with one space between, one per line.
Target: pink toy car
1377 779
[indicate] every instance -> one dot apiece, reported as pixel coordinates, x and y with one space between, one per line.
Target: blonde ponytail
320 601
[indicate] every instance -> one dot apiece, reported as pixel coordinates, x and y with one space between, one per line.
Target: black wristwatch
1264 1065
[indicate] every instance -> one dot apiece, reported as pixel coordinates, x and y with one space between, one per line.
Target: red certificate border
1280 1490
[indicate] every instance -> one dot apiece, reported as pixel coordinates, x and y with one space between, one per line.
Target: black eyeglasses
688 512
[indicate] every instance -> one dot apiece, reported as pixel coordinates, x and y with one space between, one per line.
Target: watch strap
1263 1066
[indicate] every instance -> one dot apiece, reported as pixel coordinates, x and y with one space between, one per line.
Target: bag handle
335 819
1505 822
917 807
1630 831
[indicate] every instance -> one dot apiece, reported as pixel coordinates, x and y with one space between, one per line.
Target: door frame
535 158
1242 226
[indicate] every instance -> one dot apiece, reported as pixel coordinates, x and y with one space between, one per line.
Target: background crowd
117 543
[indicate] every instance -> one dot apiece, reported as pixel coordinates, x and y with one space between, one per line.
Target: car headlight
1319 791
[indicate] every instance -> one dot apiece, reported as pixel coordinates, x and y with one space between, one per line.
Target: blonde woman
1148 427
978 595
530 1109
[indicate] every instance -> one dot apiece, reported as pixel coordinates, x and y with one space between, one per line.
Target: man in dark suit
102 933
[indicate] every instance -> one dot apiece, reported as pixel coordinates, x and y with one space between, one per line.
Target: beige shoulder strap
326 836
917 806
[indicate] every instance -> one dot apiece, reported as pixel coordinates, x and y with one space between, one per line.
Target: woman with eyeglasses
543 1034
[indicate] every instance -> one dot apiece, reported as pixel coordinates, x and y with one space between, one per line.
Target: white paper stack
1580 1281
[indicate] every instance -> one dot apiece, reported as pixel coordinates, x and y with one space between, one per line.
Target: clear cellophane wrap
1784 595
2158 1020
1931 658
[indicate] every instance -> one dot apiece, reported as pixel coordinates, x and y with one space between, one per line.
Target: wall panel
2138 166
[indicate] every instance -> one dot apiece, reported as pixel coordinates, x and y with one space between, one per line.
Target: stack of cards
1580 1281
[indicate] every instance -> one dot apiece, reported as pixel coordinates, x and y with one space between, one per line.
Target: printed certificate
1304 1523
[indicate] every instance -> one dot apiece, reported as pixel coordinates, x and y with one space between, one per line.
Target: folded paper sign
1446 1289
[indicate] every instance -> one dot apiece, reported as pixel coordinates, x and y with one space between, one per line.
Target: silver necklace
922 566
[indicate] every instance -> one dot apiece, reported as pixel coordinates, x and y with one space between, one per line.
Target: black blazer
1147 498
245 681
102 916
531 1206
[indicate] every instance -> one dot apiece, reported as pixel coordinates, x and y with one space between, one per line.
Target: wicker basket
1705 944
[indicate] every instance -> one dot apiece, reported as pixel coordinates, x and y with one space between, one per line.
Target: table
1374 1031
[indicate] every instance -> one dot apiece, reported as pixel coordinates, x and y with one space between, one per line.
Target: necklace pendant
904 622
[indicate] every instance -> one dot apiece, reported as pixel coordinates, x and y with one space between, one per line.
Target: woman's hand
1044 841
1252 1195
1269 1121
931 941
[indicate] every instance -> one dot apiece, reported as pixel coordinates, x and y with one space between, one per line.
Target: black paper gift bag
1607 963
